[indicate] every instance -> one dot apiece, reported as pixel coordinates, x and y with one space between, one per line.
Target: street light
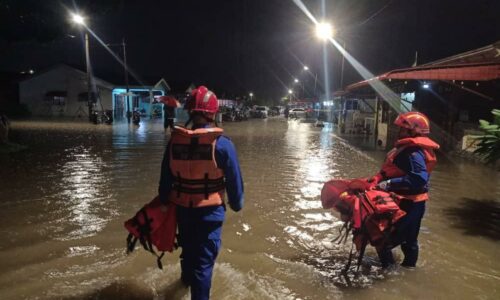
306 68
290 92
324 31
296 80
78 19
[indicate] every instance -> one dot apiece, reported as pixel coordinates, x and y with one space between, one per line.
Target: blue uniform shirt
412 161
227 160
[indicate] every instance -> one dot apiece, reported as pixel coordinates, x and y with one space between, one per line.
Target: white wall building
62 91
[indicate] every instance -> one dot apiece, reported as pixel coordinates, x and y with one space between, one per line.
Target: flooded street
64 201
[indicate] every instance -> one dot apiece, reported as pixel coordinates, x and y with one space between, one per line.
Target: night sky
238 46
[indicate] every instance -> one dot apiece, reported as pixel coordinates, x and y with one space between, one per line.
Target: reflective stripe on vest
390 170
198 182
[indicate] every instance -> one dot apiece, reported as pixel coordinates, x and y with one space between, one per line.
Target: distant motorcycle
241 115
136 118
108 117
228 116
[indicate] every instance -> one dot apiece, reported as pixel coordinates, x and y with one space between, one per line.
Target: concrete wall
63 78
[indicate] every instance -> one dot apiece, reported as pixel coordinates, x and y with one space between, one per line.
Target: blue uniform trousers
200 241
406 235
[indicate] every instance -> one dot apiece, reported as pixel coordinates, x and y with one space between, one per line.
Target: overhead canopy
482 64
464 72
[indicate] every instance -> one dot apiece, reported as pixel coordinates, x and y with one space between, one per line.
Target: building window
60 101
57 98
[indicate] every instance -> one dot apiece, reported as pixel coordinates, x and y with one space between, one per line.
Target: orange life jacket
390 170
370 213
198 182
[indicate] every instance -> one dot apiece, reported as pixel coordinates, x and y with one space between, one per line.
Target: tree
489 143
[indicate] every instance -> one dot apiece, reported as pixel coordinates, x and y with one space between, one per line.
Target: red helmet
203 100
415 121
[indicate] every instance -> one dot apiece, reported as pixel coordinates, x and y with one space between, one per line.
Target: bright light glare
306 68
290 91
251 94
425 85
78 19
324 31
296 80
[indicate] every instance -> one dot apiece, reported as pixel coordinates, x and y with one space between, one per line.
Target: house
141 97
454 92
62 91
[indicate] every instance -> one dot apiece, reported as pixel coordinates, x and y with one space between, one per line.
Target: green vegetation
489 143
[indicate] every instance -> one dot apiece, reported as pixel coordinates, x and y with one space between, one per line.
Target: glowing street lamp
306 68
324 31
78 19
296 80
290 92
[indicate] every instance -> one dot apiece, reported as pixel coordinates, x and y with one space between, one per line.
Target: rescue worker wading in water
406 172
199 165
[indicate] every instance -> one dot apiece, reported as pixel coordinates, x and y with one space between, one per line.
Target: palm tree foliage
489 143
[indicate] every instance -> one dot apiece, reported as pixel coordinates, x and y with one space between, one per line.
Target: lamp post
296 81
125 72
78 19
306 68
251 97
126 79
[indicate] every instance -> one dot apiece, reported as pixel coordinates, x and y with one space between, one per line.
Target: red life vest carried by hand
370 213
155 224
390 170
198 182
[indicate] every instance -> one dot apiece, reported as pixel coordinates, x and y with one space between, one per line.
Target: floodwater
64 200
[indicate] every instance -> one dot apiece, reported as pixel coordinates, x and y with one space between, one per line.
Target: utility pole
342 69
125 69
315 81
89 78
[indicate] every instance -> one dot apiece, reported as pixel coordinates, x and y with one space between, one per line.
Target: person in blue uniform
406 172
198 166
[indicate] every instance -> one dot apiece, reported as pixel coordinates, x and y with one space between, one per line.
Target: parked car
261 112
274 111
297 113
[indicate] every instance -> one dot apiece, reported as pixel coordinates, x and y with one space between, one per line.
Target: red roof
464 72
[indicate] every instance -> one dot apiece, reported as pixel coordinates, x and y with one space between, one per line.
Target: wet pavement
64 200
